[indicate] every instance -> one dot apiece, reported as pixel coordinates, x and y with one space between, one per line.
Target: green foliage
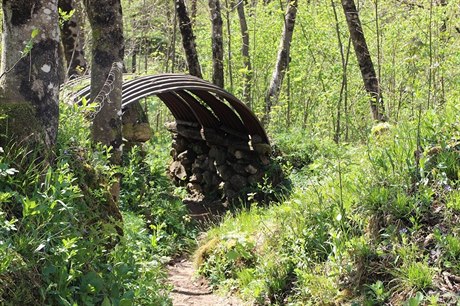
57 244
366 225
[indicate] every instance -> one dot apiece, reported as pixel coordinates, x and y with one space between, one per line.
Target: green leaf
126 302
30 208
232 255
34 33
106 302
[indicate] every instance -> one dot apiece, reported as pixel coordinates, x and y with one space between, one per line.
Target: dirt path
189 290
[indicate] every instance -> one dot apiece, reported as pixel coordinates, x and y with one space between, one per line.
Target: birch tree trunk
371 82
29 73
282 60
247 76
72 37
217 44
188 39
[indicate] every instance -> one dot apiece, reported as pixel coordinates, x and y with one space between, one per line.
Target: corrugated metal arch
186 97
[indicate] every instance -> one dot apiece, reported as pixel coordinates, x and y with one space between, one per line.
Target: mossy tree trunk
29 73
72 37
282 60
188 39
371 81
105 17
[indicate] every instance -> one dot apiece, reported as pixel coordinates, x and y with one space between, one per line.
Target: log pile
217 164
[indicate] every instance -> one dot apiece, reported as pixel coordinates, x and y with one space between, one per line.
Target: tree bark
193 11
188 39
29 73
106 22
282 61
72 37
247 75
371 82
217 44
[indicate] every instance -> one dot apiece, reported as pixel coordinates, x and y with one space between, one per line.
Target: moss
204 251
19 124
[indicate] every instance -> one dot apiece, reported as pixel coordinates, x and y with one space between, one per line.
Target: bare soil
192 290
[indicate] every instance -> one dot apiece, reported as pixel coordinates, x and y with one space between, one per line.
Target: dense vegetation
373 216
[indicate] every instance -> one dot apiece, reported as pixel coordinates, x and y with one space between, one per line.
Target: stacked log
216 164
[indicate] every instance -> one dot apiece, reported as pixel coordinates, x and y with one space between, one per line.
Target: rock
255 178
196 178
250 169
139 132
240 169
238 182
207 177
225 172
239 154
178 170
180 144
262 148
194 188
218 154
264 160
200 147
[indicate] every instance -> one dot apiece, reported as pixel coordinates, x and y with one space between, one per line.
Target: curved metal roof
192 99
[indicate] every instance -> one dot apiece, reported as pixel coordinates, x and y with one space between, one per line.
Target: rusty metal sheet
179 109
181 96
204 115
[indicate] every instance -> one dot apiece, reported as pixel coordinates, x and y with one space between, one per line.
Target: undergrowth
59 244
367 224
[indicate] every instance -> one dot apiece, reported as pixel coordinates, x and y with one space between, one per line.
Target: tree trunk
217 44
229 44
105 17
106 22
247 75
188 39
282 61
73 39
371 82
29 77
193 11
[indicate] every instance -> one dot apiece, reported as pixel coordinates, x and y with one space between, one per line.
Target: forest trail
190 290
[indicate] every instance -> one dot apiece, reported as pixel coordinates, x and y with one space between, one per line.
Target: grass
362 225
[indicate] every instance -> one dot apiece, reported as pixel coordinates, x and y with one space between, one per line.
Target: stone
262 148
239 154
225 172
196 178
238 182
240 169
255 178
180 144
136 132
178 170
218 154
250 169
194 188
264 160
207 177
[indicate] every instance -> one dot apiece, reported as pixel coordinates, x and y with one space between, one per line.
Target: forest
222 152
